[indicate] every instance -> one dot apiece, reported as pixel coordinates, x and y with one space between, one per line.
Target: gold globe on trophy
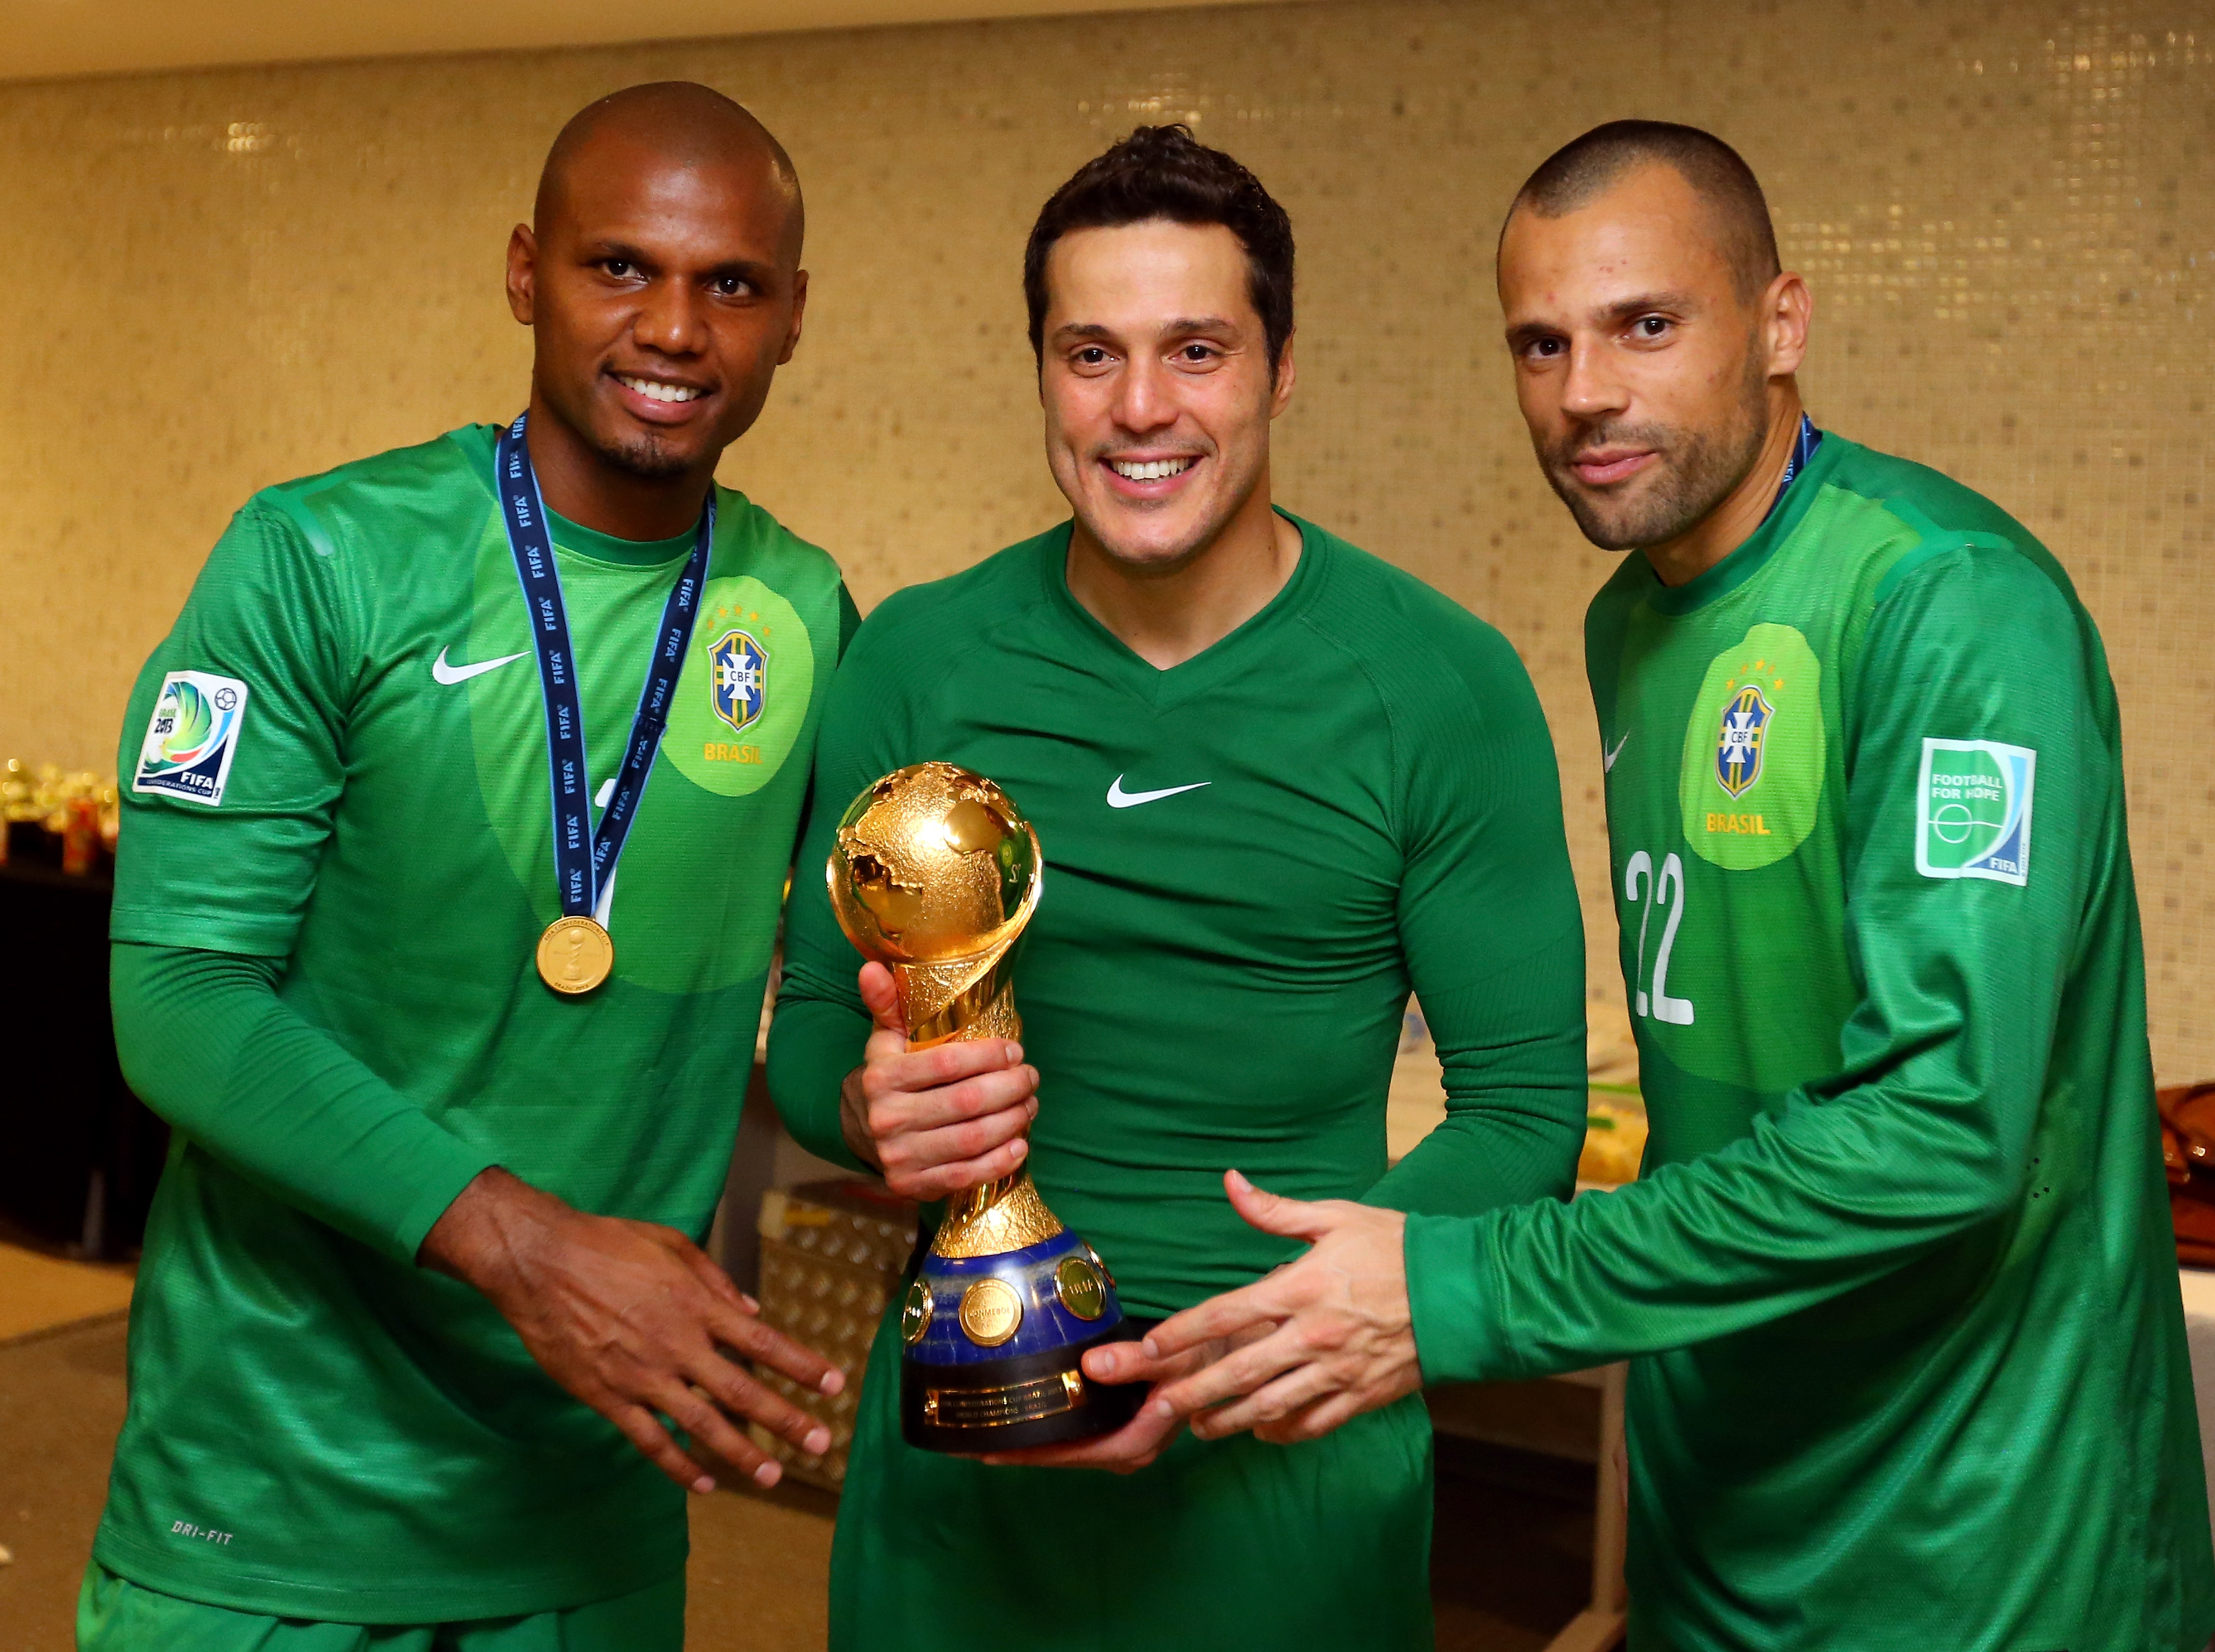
934 874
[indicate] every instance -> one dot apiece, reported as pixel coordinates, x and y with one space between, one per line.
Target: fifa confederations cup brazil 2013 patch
1973 811
192 736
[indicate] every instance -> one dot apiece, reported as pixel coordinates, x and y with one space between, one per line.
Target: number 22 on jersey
1663 891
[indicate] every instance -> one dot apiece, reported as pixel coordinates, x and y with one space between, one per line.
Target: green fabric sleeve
1925 1129
207 1043
816 1034
282 620
1493 935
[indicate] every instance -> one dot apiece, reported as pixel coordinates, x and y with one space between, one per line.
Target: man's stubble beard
1700 470
643 456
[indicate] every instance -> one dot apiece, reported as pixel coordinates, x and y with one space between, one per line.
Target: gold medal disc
990 1313
574 956
917 1312
1081 1289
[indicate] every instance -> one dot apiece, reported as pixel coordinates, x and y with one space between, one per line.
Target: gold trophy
933 875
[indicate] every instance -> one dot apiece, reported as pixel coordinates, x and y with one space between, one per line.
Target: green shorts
116 1615
1226 1544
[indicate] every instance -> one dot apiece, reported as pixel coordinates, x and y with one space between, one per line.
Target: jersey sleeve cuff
456 1165
246 935
828 1144
813 1045
1447 1259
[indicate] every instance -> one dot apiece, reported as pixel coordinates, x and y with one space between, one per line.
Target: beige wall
40 40
212 281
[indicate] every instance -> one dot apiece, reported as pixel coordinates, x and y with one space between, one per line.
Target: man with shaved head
1898 1283
424 1347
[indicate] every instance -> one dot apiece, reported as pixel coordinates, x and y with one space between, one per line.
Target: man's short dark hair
1587 167
1165 172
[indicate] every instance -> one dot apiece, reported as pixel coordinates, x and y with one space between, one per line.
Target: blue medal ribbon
584 857
1803 449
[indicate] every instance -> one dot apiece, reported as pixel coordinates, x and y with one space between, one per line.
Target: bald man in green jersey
1277 783
1909 1363
421 1296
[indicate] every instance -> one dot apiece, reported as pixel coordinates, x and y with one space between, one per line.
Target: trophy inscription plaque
934 874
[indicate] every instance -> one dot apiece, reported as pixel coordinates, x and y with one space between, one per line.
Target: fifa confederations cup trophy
934 874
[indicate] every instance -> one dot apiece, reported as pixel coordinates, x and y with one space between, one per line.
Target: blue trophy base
1007 1405
994 1346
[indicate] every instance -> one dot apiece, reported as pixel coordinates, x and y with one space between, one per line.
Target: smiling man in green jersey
1277 783
439 1112
1912 1369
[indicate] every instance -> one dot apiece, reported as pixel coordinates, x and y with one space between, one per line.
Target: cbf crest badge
740 678
1737 751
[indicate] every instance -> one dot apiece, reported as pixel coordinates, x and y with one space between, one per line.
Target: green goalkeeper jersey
1899 1267
336 765
1249 859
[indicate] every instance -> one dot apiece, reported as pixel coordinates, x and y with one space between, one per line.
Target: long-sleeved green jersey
337 859
1915 1373
1249 859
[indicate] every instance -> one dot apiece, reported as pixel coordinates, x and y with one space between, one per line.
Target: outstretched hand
632 1319
1322 1339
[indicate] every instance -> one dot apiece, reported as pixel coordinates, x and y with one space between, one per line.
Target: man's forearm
1794 1216
487 1235
203 1038
813 1047
1513 1051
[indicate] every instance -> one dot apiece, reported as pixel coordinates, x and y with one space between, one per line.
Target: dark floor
1509 1566
1510 1550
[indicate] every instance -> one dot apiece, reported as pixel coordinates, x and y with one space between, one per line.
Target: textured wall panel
212 281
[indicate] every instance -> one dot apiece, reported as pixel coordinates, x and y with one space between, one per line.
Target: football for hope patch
192 736
1973 811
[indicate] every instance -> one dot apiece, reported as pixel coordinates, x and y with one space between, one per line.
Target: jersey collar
479 442
1212 665
596 547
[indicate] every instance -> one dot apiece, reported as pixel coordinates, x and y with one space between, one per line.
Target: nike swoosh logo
1119 799
1607 761
453 674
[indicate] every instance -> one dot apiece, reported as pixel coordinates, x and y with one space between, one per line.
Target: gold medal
574 956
